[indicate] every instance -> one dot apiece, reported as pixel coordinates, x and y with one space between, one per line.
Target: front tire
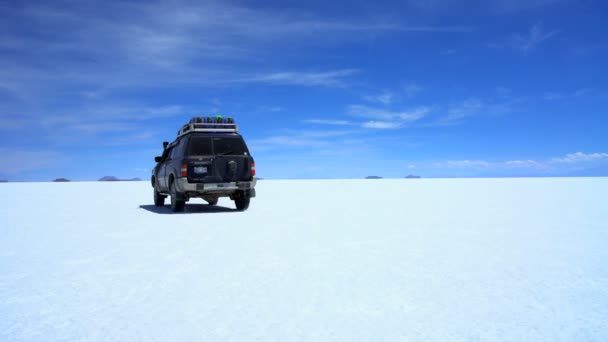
242 201
177 205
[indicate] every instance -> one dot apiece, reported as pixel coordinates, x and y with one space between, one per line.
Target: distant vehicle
209 159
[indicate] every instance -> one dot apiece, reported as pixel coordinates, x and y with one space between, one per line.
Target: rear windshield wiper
224 153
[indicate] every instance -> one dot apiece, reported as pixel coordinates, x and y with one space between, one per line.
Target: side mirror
158 159
165 144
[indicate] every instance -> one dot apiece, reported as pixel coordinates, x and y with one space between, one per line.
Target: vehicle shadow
190 209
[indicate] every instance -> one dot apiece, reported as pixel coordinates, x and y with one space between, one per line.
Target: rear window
205 146
229 146
200 146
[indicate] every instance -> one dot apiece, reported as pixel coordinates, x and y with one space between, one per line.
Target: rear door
232 160
218 159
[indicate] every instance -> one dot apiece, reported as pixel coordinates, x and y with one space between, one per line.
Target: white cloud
382 124
386 98
497 6
553 164
550 96
383 114
526 164
371 112
460 111
510 6
15 161
457 113
532 39
291 138
381 118
332 78
284 140
414 114
579 157
272 109
581 92
329 122
553 96
102 118
160 43
387 119
437 29
467 164
322 134
96 123
412 89
503 92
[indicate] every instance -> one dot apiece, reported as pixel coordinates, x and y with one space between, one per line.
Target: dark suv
209 159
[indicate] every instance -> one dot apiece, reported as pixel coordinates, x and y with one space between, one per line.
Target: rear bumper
184 186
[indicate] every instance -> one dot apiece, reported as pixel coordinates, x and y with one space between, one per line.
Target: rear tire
177 205
159 200
242 201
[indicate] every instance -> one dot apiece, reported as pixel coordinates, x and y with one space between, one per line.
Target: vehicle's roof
198 134
208 135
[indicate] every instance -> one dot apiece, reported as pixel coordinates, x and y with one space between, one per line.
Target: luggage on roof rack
209 124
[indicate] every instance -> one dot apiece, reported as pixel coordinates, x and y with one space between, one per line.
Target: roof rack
208 125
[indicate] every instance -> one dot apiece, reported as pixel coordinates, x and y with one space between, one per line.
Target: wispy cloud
388 97
496 6
529 41
94 59
382 124
16 161
180 42
379 118
94 124
272 109
550 96
551 164
526 164
384 114
329 122
554 96
411 89
298 139
467 164
387 119
385 97
581 157
333 78
115 117
510 6
459 112
467 108
487 6
437 29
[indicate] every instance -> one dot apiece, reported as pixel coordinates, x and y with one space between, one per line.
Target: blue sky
319 89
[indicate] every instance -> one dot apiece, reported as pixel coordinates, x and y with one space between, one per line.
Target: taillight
252 169
184 170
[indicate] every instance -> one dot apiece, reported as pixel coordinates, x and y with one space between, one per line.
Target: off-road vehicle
209 159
